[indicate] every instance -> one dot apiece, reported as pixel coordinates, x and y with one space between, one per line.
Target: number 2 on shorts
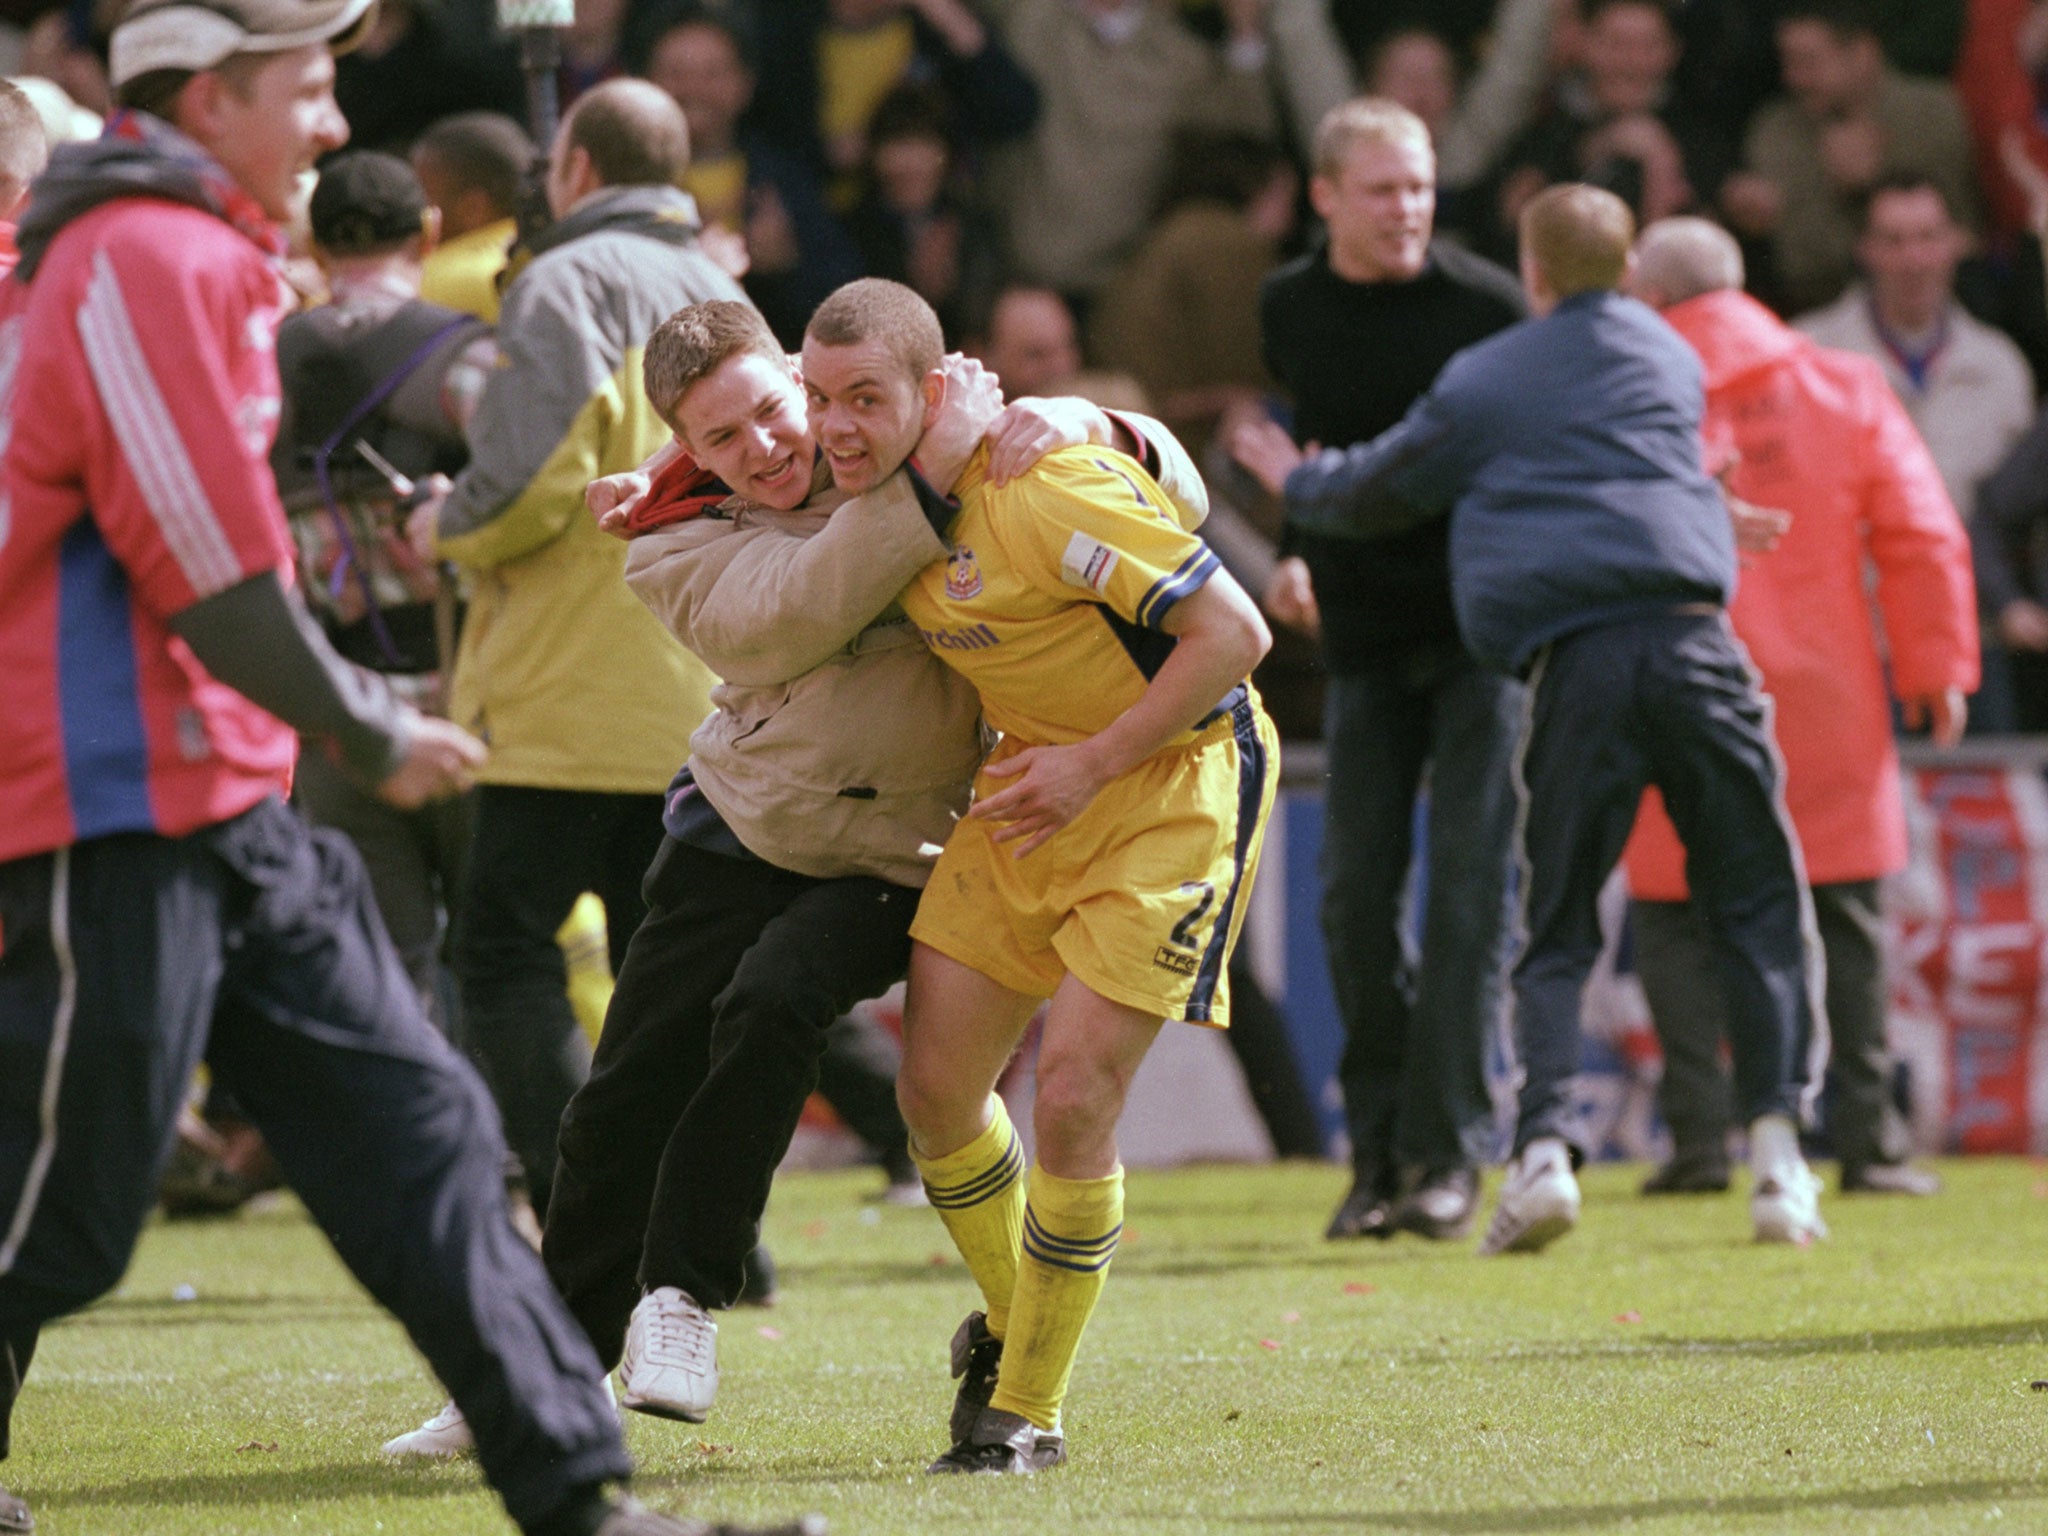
1184 930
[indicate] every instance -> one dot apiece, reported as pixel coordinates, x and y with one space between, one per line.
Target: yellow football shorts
1141 897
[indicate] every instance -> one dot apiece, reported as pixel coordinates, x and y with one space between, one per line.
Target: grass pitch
1655 1373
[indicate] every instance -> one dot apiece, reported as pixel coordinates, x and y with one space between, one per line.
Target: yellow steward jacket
561 670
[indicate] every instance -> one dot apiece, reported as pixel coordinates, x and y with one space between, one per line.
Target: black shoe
1690 1173
1366 1212
1874 1179
1442 1206
630 1519
15 1520
977 1356
757 1279
1003 1442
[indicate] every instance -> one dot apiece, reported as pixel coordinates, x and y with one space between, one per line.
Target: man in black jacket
1357 330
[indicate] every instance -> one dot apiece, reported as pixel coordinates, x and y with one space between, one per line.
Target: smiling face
1380 204
268 122
744 421
867 408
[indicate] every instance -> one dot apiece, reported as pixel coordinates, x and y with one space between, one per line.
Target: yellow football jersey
1051 597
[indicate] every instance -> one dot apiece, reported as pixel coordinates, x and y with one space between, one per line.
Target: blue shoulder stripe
1192 573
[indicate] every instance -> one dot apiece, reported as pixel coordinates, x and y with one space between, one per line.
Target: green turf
1656 1372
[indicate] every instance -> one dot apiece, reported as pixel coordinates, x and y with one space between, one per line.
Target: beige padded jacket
830 756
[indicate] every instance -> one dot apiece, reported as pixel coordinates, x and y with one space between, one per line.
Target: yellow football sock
978 1192
1070 1232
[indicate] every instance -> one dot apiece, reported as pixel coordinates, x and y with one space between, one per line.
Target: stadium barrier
1967 934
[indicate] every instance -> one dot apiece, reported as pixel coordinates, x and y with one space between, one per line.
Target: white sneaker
445 1434
1784 1204
671 1364
1539 1201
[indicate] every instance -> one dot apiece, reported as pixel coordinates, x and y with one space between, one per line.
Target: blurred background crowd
1092 194
1094 189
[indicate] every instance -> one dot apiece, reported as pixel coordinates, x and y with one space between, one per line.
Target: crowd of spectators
1092 192
1121 174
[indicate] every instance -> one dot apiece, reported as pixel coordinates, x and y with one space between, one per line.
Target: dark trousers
857 1075
255 946
535 851
1272 1072
709 1050
1676 968
1414 1063
1668 700
415 861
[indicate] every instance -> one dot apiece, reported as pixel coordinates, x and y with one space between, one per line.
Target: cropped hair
485 152
876 307
1579 237
1365 120
694 343
633 132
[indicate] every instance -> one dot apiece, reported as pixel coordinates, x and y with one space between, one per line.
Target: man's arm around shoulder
761 605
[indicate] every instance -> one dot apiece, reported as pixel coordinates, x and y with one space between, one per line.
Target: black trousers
1668 700
415 861
709 1050
535 851
1863 1124
254 945
1416 1035
857 1076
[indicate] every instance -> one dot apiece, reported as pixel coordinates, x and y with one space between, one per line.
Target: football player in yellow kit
1105 864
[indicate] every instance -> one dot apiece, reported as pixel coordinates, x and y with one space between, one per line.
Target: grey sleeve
258 638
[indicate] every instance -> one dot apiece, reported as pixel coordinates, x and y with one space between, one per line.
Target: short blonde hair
694 343
874 306
1366 120
1579 237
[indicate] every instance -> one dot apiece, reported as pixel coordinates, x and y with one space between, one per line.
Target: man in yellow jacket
587 702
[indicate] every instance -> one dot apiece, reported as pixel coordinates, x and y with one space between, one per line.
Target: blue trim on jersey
1147 648
1252 769
1192 574
99 698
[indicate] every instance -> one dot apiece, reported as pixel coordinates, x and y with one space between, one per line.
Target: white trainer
1539 1200
1784 1202
671 1364
445 1434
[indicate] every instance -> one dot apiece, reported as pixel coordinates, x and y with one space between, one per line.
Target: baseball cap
365 201
202 34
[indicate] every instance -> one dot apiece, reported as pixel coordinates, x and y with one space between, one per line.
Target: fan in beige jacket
816 797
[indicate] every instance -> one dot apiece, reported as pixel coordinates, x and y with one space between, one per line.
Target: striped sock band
978 1192
1071 1227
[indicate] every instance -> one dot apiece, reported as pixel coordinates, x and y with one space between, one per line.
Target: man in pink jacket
1818 433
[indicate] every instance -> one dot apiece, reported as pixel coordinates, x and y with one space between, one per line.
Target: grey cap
189 34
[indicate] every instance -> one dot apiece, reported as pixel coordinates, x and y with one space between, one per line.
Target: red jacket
1821 436
138 378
